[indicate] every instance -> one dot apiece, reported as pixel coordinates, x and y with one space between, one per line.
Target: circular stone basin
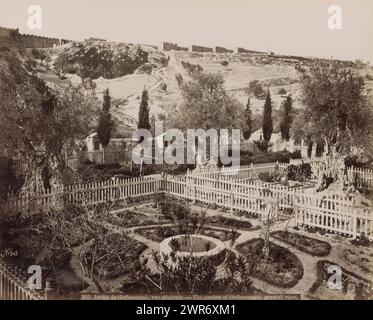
197 245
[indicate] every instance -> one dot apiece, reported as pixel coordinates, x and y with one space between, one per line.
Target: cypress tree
286 120
267 124
144 121
248 121
105 123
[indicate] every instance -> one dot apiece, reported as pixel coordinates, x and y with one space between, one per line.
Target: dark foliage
299 173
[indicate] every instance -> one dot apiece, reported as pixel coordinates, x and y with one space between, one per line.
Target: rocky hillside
127 69
95 58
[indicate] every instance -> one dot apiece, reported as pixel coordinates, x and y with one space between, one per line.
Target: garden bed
353 286
221 221
158 234
283 269
308 245
130 218
249 215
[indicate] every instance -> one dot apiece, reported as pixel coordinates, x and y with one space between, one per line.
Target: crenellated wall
12 37
243 50
218 49
168 46
31 41
195 48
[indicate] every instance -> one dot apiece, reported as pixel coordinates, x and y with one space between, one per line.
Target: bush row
266 157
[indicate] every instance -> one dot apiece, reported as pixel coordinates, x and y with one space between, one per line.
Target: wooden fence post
277 206
295 206
194 190
232 194
354 219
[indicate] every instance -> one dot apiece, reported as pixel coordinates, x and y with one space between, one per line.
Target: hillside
127 69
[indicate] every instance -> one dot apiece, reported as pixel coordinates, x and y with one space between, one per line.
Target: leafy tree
42 123
336 106
105 123
302 128
144 120
207 104
267 124
286 118
248 121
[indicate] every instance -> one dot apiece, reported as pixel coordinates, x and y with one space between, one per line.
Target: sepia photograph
186 150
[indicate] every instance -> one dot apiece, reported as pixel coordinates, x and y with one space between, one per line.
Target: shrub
270 177
296 154
299 173
224 63
282 91
163 61
281 156
107 166
230 222
363 241
356 162
257 89
246 153
191 68
262 145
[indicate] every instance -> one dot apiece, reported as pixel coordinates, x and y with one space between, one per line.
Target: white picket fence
85 194
243 195
365 176
249 195
333 214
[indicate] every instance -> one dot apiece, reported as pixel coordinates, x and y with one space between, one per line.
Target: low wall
218 49
168 46
195 48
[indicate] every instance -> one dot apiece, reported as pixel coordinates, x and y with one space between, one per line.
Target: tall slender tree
286 121
105 123
248 121
267 123
144 120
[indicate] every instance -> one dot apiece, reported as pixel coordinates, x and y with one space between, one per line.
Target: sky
282 26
